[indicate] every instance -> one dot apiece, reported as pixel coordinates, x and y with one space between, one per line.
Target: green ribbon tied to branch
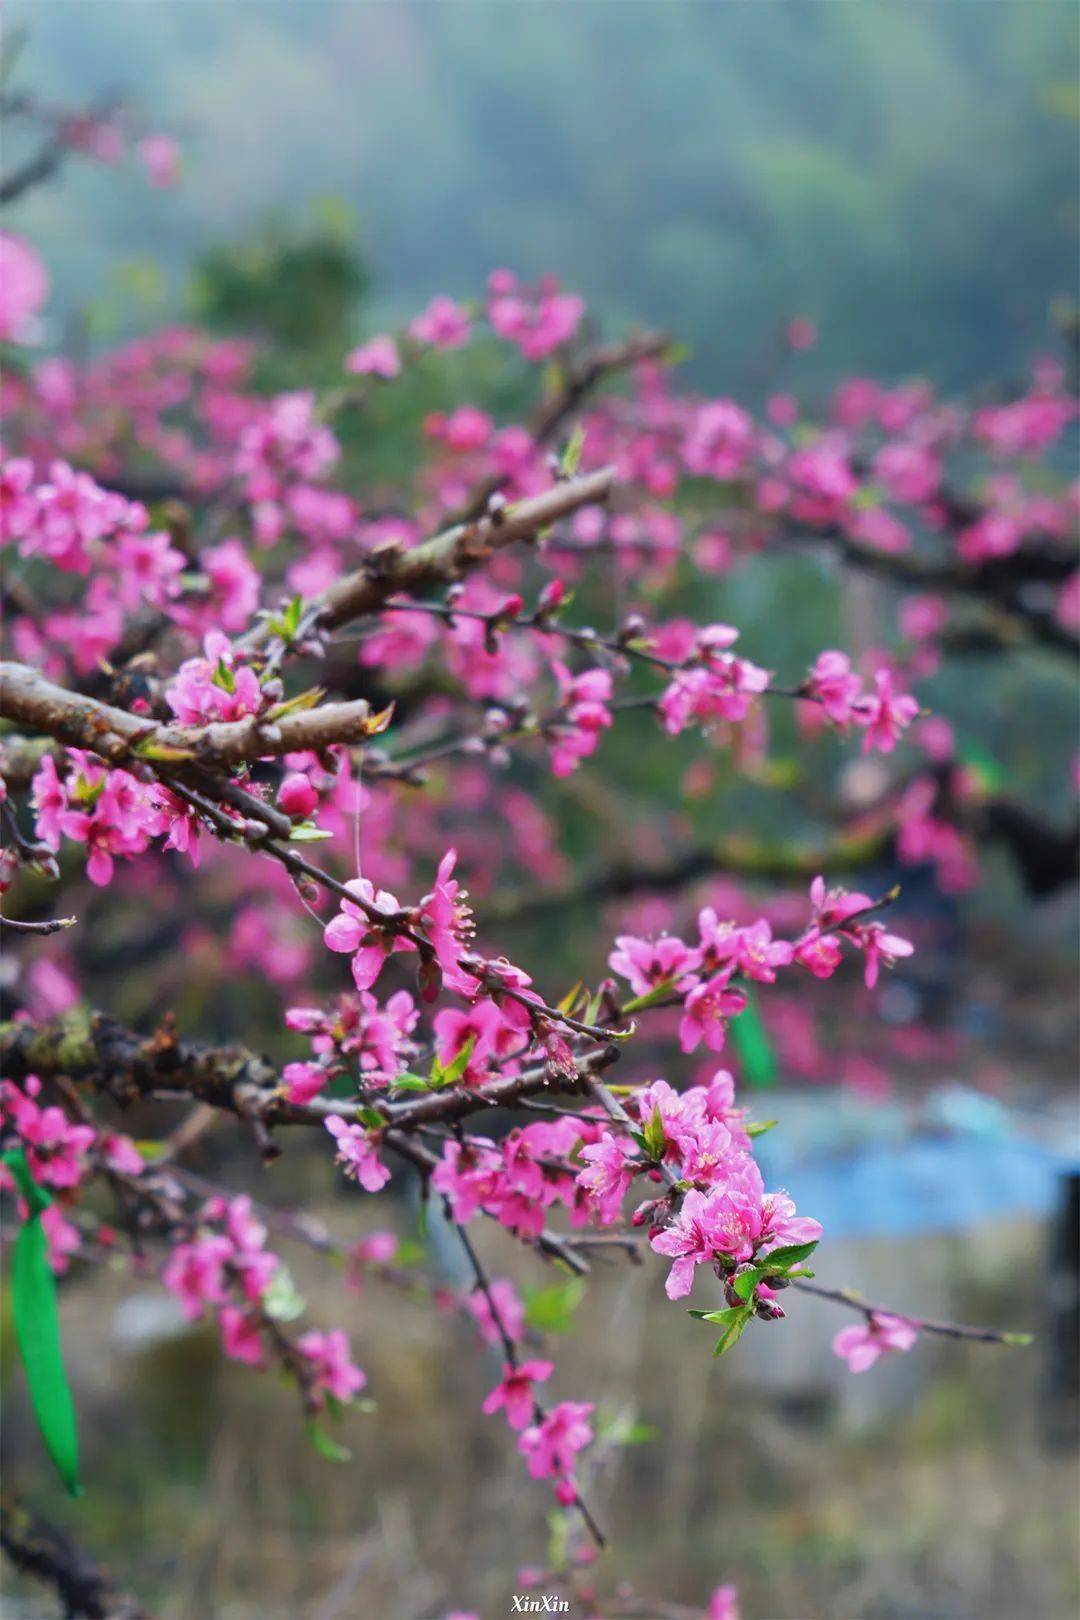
757 1058
37 1328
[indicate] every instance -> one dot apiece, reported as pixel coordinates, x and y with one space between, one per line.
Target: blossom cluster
438 1030
81 528
224 1265
377 1039
61 1154
110 811
69 521
702 976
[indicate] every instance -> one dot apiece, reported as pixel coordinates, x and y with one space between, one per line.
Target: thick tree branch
444 558
95 1049
1047 856
20 759
999 585
40 1549
114 734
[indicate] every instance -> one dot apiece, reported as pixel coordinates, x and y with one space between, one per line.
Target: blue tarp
965 1161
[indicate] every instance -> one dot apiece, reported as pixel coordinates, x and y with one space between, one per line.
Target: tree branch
95 1049
48 925
999 584
444 558
115 734
581 377
42 166
946 1330
40 1549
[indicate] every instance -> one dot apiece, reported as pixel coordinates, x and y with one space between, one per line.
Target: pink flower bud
297 797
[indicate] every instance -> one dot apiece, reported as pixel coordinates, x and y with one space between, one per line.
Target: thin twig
50 925
510 1353
947 1330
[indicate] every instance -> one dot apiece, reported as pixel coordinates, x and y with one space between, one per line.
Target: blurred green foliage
296 287
905 174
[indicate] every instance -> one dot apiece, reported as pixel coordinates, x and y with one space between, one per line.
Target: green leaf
378 723
757 1060
37 1330
653 1135
746 1282
982 765
325 1444
638 1434
782 1260
592 1008
299 704
306 832
551 1309
568 1000
164 753
86 793
723 1318
450 1073
287 623
734 1332
758 1128
650 998
371 1118
571 460
411 1082
281 1300
1018 1340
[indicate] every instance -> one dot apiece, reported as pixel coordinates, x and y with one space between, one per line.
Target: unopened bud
649 1212
552 596
297 798
769 1310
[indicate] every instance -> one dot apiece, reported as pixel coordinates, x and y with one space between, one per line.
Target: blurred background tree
296 287
904 174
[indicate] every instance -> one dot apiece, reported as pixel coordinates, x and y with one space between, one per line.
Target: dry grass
920 1490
